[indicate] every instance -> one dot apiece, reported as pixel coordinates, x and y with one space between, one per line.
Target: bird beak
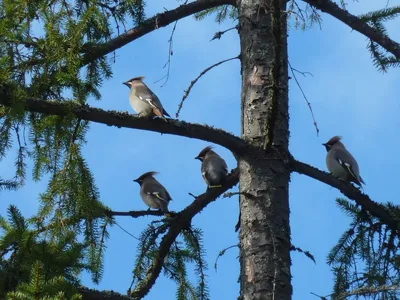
127 83
197 158
324 144
136 180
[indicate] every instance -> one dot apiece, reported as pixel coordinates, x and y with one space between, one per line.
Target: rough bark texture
264 179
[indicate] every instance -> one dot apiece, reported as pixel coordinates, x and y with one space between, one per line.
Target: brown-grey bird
152 192
340 162
143 100
213 168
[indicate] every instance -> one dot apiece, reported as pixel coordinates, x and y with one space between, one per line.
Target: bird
341 163
143 100
213 168
152 192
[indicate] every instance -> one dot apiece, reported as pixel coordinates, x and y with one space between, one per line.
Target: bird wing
347 161
158 190
214 169
145 94
157 194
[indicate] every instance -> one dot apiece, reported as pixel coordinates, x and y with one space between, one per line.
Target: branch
219 34
181 222
356 24
134 214
375 209
113 118
160 20
369 290
170 53
89 294
222 253
304 95
187 91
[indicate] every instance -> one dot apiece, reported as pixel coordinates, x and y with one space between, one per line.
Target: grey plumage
213 168
152 192
340 162
143 100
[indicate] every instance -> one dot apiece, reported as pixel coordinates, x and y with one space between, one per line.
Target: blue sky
349 98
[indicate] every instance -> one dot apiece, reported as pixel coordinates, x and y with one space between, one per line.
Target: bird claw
214 186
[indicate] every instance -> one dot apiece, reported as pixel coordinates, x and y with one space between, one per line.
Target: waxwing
213 168
143 100
340 162
152 192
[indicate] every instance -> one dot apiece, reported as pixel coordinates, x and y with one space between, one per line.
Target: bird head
203 153
144 176
329 144
130 82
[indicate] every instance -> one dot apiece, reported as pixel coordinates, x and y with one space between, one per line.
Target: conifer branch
89 294
357 24
182 221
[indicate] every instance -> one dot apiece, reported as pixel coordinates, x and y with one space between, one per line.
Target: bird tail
165 113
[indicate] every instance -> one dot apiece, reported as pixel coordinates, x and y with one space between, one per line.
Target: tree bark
264 177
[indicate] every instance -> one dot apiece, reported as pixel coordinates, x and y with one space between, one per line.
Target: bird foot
214 186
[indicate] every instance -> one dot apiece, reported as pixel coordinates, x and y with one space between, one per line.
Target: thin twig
221 253
187 91
303 73
321 297
127 232
306 253
304 96
219 34
170 53
194 196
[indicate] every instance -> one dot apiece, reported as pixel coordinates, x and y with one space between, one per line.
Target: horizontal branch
118 119
89 294
149 25
182 221
375 209
357 24
134 214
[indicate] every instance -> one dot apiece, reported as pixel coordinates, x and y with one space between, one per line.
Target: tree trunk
264 178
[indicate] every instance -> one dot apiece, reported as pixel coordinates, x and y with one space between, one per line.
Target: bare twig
194 196
222 253
321 297
170 53
219 34
187 91
304 95
306 253
302 73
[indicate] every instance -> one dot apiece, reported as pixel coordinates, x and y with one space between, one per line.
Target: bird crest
334 140
145 175
204 151
139 78
129 82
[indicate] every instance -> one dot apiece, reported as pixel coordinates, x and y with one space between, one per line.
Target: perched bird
152 192
340 162
143 100
213 167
